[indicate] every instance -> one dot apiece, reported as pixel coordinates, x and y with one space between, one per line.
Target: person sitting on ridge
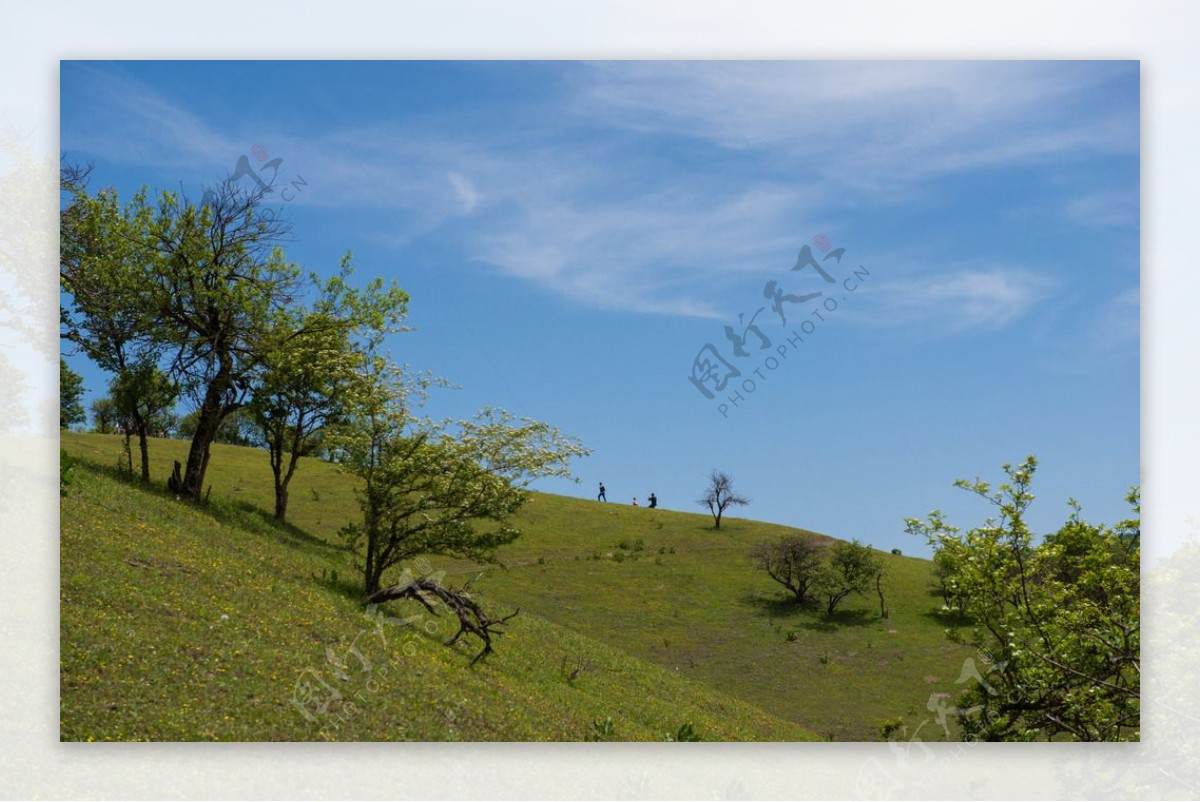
635 501
653 501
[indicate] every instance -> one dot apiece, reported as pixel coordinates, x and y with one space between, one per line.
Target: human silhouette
635 501
653 501
603 496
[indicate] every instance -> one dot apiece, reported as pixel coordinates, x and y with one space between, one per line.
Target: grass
649 618
179 623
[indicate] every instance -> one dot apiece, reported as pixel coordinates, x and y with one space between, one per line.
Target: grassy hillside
661 620
182 624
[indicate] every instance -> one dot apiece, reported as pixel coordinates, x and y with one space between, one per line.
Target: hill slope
186 624
656 586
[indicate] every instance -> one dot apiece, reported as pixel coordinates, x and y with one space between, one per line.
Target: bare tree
719 495
792 561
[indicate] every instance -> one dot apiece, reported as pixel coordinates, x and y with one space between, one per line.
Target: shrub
601 730
66 467
685 733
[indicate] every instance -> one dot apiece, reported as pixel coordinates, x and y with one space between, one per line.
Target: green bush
66 466
685 733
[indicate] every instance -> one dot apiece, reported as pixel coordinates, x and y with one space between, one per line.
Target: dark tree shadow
948 618
351 588
780 606
228 512
843 618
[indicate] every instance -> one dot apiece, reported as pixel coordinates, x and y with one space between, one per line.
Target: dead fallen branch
471 618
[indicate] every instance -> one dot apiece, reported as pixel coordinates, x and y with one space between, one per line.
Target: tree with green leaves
1058 620
111 317
143 396
106 419
237 429
70 397
308 383
793 561
439 488
207 285
218 282
851 568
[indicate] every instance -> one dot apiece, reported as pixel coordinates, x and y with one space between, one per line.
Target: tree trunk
883 612
128 452
373 564
212 412
283 478
145 449
281 500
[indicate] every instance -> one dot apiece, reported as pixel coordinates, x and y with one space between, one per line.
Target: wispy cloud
1105 209
872 124
605 217
135 124
465 190
659 253
956 299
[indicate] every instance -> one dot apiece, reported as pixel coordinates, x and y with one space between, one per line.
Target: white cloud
871 124
465 191
580 217
133 123
959 299
655 253
1109 209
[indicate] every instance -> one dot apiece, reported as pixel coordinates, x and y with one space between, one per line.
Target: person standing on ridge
602 496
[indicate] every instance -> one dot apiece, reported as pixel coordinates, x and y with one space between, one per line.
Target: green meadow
217 623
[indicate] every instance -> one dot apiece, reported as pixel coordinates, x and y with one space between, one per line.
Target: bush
66 466
685 733
601 730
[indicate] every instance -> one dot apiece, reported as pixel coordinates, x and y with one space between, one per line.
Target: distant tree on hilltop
719 496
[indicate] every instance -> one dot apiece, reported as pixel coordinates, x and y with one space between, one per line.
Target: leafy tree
218 281
852 568
719 495
143 396
1059 619
307 382
207 285
197 284
111 316
792 561
436 489
106 418
237 429
70 395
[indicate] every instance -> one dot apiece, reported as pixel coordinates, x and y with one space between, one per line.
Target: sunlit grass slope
660 592
186 624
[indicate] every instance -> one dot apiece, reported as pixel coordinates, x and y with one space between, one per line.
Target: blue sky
573 234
